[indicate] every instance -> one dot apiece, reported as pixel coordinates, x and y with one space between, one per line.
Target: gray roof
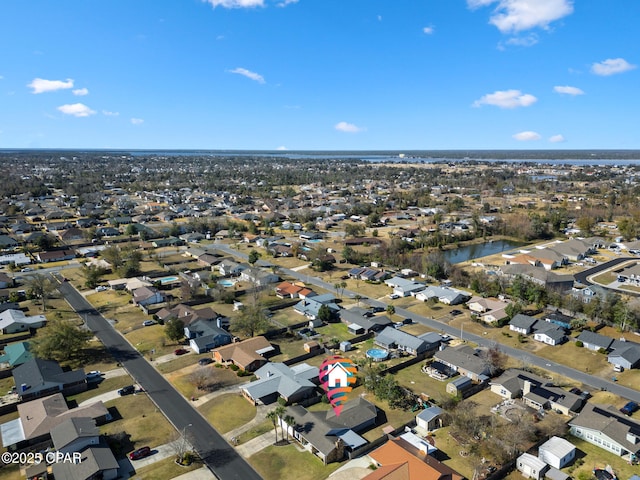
38 374
631 353
523 321
513 380
463 356
430 413
72 429
93 460
593 338
551 330
431 338
557 446
391 336
610 422
279 378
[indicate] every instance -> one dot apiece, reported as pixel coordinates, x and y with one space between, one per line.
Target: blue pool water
165 280
377 354
226 283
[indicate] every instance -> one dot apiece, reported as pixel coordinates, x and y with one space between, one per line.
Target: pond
479 250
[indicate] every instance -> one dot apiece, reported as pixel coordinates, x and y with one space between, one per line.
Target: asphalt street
216 453
595 383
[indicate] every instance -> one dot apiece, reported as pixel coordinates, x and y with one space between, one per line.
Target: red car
140 453
180 351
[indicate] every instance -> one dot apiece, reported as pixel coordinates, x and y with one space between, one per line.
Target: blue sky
320 74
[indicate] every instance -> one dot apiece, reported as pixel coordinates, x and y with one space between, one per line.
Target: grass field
218 378
164 470
216 411
287 463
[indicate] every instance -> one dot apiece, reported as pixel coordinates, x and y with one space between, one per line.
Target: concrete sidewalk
256 444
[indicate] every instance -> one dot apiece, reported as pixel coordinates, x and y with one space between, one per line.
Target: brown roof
39 416
243 353
421 466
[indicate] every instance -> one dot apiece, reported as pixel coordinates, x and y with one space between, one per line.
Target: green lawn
256 431
287 463
216 411
595 457
104 386
164 470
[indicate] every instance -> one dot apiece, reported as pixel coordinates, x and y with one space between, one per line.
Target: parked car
27 269
101 288
140 453
128 390
397 325
456 312
393 296
148 323
94 375
205 361
629 408
180 351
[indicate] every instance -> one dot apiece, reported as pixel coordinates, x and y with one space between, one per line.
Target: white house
14 321
531 467
557 452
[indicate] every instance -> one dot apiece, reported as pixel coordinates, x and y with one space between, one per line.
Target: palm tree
290 421
273 416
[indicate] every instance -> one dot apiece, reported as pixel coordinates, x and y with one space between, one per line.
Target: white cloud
282 148
40 85
527 136
506 99
348 127
137 121
611 66
556 139
110 114
527 41
80 92
236 3
249 74
76 109
284 3
518 15
428 30
567 90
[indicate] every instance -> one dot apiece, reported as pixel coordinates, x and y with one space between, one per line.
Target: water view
471 252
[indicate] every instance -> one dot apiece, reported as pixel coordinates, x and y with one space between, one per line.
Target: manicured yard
287 463
166 469
141 420
219 378
256 431
595 457
216 411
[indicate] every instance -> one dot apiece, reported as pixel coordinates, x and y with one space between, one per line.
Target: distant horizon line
397 151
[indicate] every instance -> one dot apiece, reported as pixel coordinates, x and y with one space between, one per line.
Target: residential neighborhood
520 361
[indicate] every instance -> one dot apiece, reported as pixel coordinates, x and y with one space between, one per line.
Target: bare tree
201 377
41 287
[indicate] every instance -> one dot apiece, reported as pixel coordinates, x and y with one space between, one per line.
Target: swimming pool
377 354
226 282
166 280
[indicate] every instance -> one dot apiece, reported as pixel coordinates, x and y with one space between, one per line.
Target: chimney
631 438
526 388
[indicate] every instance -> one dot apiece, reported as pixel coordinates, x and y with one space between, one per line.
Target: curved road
214 450
526 357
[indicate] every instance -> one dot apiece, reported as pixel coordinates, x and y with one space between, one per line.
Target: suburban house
446 295
288 290
5 280
229 268
248 355
548 333
75 434
557 452
522 324
404 287
465 360
559 319
15 321
391 338
538 275
489 310
145 296
205 335
39 417
40 378
95 462
16 354
259 277
362 321
536 392
310 306
594 341
188 314
55 256
624 354
531 466
548 258
399 459
605 427
128 284
329 436
278 380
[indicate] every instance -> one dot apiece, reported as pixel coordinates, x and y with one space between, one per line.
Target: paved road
583 277
594 382
217 454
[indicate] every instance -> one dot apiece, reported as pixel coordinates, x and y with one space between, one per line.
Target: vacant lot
216 411
215 378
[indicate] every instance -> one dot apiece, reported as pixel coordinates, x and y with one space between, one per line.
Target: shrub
234 367
579 344
282 401
602 350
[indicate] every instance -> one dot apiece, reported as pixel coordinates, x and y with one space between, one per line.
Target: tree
290 421
201 377
92 275
254 256
41 286
174 329
391 309
325 314
251 321
274 416
60 340
495 359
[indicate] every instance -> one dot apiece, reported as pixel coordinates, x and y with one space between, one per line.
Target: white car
94 374
393 296
101 288
148 323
